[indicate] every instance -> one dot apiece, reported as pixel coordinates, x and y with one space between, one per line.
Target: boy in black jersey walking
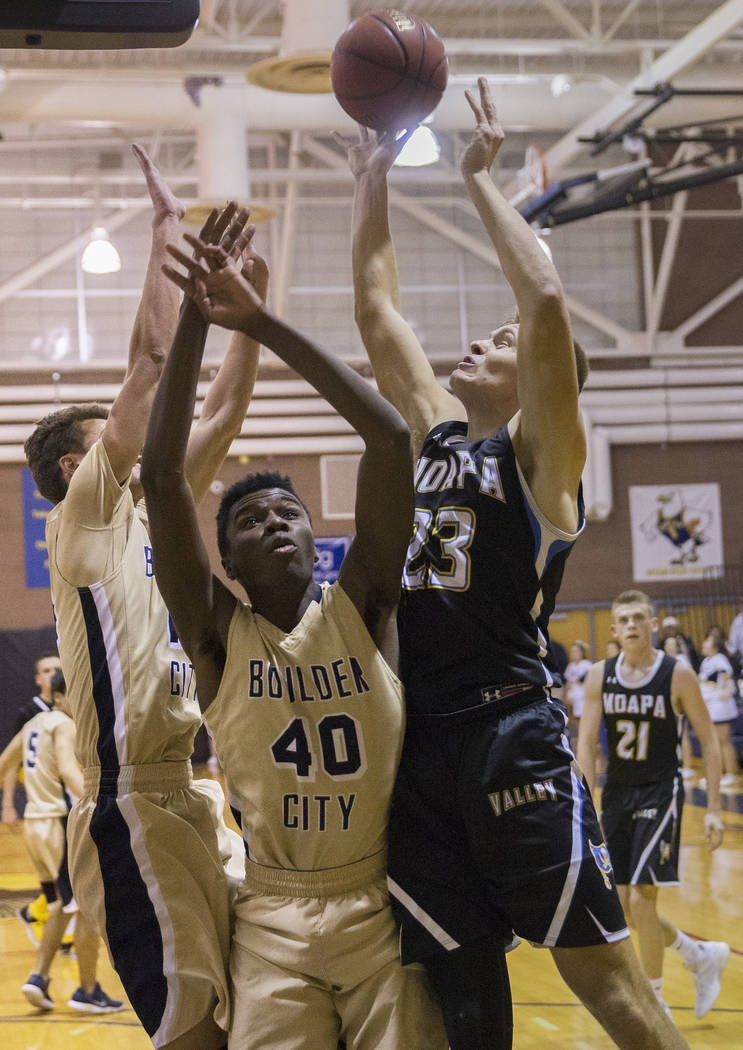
491 827
644 696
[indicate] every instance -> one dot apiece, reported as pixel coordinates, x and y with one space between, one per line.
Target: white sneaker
712 957
728 780
687 773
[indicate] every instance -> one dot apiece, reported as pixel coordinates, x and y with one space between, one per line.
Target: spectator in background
575 675
670 626
735 639
725 647
612 649
719 691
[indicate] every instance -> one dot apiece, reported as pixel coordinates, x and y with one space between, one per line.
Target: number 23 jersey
482 573
308 726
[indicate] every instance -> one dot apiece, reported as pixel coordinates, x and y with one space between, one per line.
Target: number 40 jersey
308 726
483 570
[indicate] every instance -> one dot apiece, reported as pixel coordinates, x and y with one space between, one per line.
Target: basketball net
532 178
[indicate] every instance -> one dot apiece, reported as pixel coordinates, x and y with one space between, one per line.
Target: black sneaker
36 990
95 1002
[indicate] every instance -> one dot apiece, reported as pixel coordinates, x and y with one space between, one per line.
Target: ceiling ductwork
302 66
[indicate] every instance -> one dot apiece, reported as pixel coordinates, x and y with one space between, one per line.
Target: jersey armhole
334 594
553 530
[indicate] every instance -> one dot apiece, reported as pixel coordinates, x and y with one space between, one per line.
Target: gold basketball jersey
46 795
130 684
308 726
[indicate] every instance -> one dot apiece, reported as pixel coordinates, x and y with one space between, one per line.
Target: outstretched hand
215 282
488 135
375 152
165 204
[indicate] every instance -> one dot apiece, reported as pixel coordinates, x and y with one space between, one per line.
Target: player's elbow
148 363
547 300
368 310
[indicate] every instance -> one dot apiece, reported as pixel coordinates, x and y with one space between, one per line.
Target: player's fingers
363 133
339 140
474 106
242 243
217 258
234 230
177 278
240 221
223 221
200 249
205 233
486 101
142 157
192 265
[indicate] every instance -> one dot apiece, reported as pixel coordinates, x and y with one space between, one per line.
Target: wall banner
330 550
35 512
676 532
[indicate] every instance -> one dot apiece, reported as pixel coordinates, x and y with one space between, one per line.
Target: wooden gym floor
708 904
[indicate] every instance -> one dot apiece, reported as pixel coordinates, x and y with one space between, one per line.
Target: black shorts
643 831
493 830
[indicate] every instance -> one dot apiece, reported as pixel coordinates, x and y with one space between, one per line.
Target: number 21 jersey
644 731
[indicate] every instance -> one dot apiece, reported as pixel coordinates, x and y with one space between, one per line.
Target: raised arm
548 434
372 579
590 724
152 334
402 370
180 558
229 393
10 760
688 695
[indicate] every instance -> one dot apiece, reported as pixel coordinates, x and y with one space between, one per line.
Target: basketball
388 70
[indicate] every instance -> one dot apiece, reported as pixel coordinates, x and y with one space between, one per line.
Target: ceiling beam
564 18
675 60
474 245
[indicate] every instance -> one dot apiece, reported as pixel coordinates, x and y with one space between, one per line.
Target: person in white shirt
719 690
575 675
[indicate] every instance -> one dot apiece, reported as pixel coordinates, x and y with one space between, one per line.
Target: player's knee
478 1022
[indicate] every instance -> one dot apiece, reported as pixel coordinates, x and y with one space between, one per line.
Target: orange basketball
389 70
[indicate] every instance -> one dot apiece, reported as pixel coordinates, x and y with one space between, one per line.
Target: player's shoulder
595 673
684 681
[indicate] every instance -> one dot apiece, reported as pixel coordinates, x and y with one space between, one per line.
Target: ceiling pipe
598 490
524 102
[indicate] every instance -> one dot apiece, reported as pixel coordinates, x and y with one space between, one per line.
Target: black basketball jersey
482 573
643 729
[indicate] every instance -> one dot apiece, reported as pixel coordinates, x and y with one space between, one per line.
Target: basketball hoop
532 177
